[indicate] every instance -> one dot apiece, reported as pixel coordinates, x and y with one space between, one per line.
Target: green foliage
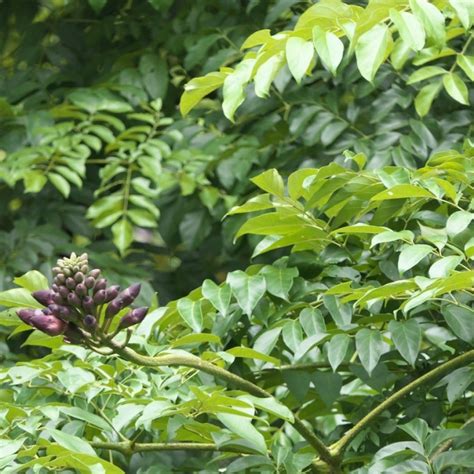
344 175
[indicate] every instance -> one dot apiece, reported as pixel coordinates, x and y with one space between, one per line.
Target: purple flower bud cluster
78 300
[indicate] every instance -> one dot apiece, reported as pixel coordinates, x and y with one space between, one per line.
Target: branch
189 360
128 448
338 448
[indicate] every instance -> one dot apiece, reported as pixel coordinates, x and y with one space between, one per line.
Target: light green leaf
372 49
312 322
425 97
337 349
234 85
70 442
271 405
329 48
410 29
299 54
248 353
18 298
460 319
425 73
360 229
466 63
456 88
411 255
432 20
266 73
406 335
32 281
465 11
196 339
403 191
341 313
271 182
80 414
219 296
196 89
34 181
279 280
60 184
444 266
122 232
392 236
248 290
258 203
292 335
369 347
191 312
458 222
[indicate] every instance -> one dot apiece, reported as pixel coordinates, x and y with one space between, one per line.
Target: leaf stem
339 446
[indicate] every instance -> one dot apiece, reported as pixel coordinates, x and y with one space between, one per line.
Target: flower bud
73 299
25 315
94 273
100 285
67 272
113 308
58 299
133 317
60 311
56 270
88 304
89 281
60 278
46 311
111 293
63 291
90 322
45 297
54 287
99 297
70 283
50 325
79 277
75 268
84 269
81 289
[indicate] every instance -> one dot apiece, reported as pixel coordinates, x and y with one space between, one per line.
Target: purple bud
90 321
100 285
70 283
63 291
54 287
50 325
46 311
111 293
113 308
88 304
94 273
25 315
99 297
60 311
73 299
45 297
79 277
81 289
58 299
89 282
133 317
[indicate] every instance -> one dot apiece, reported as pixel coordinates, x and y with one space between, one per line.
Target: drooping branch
189 360
338 448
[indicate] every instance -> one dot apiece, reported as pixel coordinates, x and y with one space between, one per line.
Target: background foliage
356 158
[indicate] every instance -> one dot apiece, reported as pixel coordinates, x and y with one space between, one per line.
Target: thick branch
128 448
189 360
338 448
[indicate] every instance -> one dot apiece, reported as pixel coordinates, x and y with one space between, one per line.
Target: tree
346 345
